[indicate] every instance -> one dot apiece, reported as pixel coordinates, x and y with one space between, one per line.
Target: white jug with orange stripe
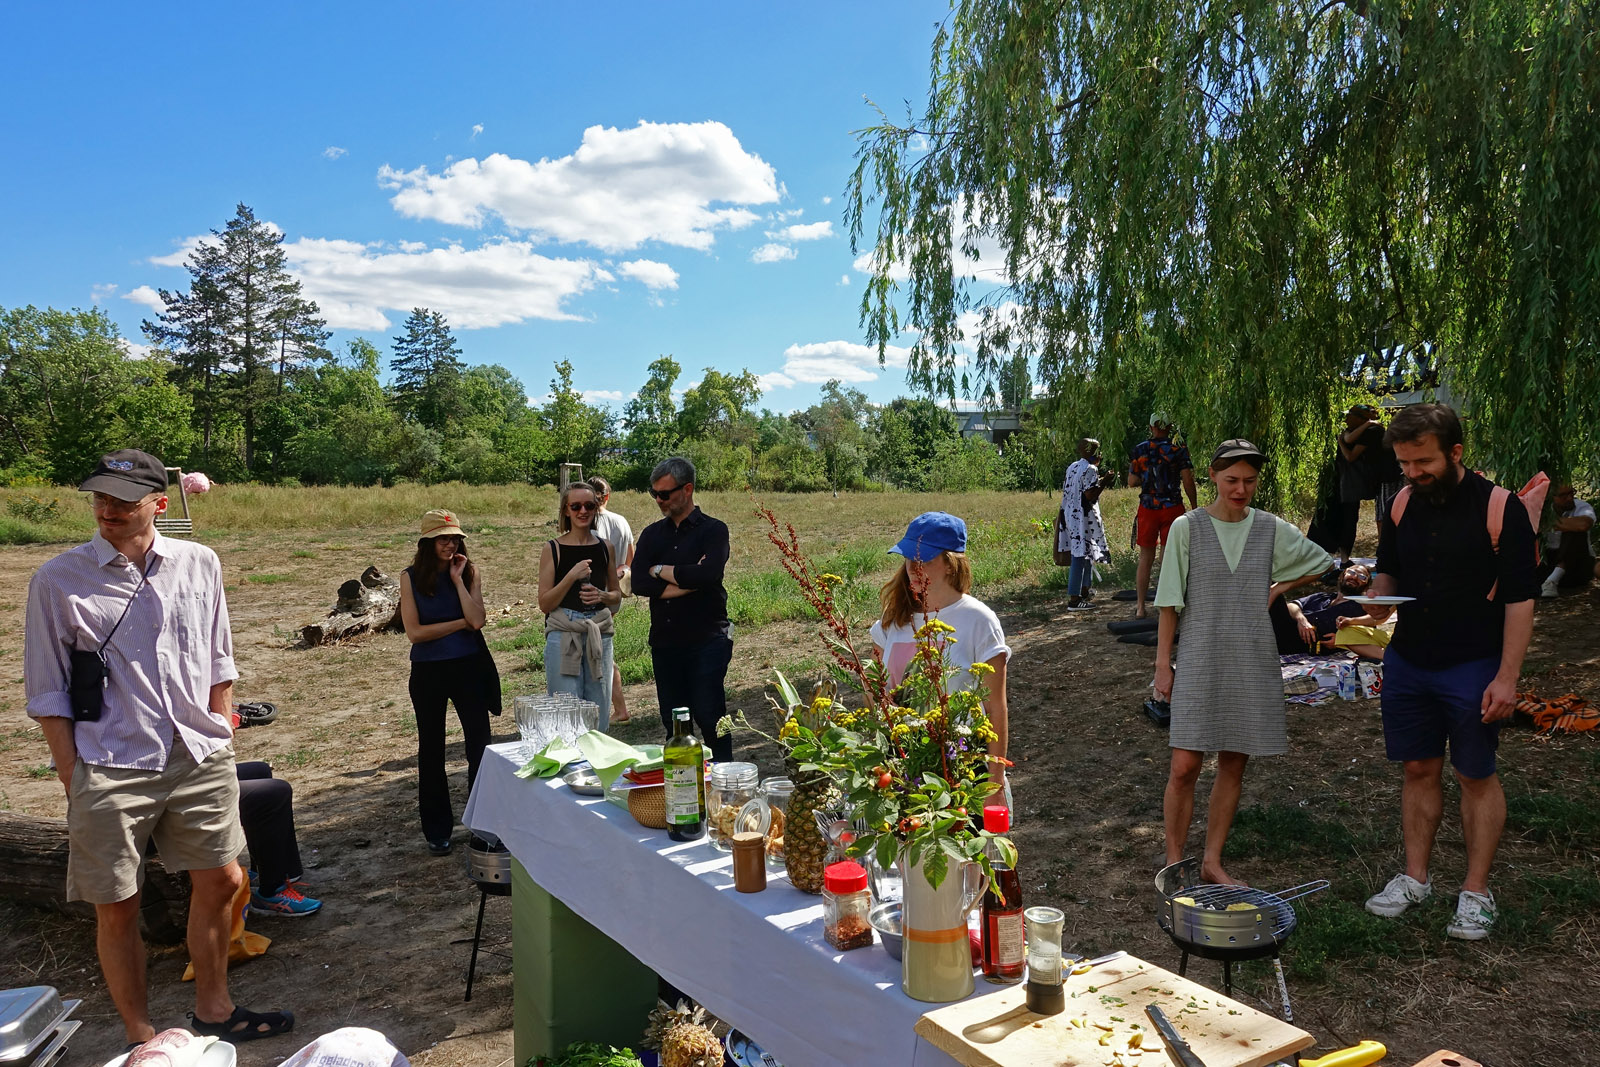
936 954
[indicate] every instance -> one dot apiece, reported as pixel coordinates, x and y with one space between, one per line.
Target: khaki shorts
191 812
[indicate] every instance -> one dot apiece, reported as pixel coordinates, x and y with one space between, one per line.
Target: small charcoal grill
1228 923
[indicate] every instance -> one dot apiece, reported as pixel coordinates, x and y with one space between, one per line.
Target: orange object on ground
242 944
1569 714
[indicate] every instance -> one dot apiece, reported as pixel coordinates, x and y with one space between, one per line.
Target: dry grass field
387 949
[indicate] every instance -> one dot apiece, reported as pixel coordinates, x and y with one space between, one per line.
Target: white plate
1382 601
220 1054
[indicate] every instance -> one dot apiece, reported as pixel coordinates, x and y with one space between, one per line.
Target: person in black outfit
1450 672
266 812
678 563
1360 456
1298 625
441 605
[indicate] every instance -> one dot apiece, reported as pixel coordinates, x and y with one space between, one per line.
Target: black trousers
694 677
266 811
433 685
1572 555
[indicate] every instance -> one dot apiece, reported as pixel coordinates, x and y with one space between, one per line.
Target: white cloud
827 200
146 296
135 350
494 284
477 128
649 273
100 293
602 396
179 256
333 151
844 279
808 231
772 253
821 361
621 188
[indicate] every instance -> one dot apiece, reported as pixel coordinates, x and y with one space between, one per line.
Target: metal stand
485 891
1227 959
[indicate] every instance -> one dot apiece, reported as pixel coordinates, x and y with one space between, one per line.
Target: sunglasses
582 506
665 494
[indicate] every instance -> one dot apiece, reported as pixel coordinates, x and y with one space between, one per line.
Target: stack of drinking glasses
546 717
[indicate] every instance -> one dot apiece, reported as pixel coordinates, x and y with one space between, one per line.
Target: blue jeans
583 684
1080 577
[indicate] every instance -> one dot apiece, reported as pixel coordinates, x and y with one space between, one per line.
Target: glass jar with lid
734 803
777 792
845 904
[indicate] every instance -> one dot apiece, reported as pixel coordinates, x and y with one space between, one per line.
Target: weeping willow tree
1231 207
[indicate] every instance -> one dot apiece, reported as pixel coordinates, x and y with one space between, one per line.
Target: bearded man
1450 672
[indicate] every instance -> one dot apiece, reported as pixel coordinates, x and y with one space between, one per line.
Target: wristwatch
655 572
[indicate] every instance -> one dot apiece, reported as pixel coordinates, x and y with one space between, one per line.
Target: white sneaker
1474 916
1401 892
1549 591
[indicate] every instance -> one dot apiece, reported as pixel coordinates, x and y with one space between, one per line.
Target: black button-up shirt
1442 555
697 552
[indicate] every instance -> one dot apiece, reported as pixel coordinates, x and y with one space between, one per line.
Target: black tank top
567 556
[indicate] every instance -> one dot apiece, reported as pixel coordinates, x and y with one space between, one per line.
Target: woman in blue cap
934 582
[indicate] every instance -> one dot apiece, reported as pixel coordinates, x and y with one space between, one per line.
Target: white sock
1556 575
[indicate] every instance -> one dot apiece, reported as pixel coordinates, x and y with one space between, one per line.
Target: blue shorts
1422 709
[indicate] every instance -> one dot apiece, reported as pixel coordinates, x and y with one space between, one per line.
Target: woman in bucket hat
441 605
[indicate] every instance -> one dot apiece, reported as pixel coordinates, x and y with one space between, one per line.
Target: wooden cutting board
999 1031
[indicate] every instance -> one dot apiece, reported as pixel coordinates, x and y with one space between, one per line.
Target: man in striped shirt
152 758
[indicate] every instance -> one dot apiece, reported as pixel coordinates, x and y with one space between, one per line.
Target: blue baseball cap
930 534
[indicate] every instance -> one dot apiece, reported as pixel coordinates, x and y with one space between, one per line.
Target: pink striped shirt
174 645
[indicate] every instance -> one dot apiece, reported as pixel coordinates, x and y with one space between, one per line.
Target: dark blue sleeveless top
441 607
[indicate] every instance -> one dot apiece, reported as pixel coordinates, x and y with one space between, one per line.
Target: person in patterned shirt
1159 468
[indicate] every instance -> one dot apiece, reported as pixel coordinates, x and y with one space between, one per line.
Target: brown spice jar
749 862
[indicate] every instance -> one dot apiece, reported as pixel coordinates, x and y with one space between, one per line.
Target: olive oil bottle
685 779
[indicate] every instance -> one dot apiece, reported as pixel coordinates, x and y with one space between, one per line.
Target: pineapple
684 1037
803 847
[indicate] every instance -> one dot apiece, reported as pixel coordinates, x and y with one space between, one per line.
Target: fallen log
33 871
368 604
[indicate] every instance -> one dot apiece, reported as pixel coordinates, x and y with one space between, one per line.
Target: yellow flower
934 627
900 731
789 731
826 577
978 670
984 733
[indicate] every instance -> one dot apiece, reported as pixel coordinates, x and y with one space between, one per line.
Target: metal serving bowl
885 918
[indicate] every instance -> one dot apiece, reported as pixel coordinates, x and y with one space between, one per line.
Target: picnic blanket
1313 678
1570 714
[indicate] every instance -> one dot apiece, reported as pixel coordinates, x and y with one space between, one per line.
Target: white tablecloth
756 960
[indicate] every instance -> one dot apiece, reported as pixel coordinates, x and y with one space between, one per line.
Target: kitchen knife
1169 1033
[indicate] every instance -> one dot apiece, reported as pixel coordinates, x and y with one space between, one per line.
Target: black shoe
441 847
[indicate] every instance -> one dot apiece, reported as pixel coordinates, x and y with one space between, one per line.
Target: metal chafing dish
30 1017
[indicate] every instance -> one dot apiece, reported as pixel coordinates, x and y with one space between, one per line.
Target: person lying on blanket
1313 623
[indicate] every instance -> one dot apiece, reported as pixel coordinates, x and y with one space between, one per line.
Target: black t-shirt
566 557
1442 555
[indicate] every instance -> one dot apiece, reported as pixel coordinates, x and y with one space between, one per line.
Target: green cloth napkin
549 760
609 757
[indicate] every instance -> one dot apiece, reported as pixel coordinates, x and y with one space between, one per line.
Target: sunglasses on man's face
582 506
666 494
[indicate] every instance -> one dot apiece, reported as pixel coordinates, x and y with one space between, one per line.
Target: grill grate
1218 897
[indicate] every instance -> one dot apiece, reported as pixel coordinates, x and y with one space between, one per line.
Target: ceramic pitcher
935 954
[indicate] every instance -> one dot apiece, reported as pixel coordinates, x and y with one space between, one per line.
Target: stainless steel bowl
489 866
583 782
885 918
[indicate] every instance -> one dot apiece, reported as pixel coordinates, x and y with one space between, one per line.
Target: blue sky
600 182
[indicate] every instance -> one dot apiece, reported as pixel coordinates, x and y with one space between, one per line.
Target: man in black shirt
1450 673
678 563
1300 625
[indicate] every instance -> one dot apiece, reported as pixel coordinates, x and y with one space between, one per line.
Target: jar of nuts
730 790
777 791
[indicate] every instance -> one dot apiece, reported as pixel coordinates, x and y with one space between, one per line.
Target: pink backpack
1532 496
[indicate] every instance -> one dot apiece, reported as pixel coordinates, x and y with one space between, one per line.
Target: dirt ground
388 949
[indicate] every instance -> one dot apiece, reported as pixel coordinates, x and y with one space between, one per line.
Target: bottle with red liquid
1002 935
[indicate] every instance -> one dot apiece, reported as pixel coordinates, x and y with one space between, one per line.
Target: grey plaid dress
1227 693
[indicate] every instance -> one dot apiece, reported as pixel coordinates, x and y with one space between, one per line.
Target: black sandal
244 1025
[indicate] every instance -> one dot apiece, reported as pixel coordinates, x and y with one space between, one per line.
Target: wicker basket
648 805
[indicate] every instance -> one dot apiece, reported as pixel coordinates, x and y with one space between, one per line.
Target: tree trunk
33 871
370 603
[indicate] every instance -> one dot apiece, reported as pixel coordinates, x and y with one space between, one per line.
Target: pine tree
426 369
242 316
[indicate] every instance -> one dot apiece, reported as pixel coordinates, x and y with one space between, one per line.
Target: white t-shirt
978 639
1581 509
614 530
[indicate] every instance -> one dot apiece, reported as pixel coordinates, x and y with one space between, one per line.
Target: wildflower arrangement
911 760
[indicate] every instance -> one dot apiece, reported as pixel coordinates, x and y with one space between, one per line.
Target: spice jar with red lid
845 903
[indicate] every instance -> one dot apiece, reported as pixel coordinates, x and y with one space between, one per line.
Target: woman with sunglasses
441 606
578 591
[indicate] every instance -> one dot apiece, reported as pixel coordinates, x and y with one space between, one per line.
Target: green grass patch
1566 821
303 553
1282 830
17 531
1335 933
41 771
300 757
267 579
